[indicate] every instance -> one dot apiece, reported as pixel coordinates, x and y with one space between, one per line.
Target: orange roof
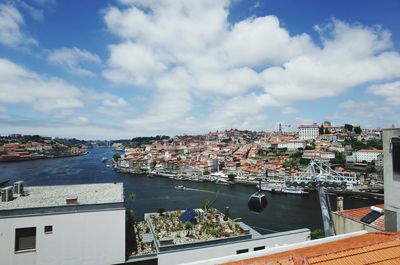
370 248
357 214
371 151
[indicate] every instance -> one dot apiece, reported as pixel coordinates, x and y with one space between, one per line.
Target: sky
124 68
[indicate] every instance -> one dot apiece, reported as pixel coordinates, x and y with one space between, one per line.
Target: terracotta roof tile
364 249
370 254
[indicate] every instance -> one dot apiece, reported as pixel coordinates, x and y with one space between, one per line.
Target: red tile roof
370 248
359 213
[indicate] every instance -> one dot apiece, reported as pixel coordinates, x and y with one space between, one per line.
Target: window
48 229
25 238
396 158
259 248
240 251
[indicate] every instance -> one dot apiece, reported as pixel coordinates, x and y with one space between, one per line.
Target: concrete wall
203 253
345 225
392 187
77 238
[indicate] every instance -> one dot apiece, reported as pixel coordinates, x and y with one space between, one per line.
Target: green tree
231 177
304 161
310 147
317 233
348 127
327 131
321 129
357 130
206 205
339 159
116 156
188 227
161 211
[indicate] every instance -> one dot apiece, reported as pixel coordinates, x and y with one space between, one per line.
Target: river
284 212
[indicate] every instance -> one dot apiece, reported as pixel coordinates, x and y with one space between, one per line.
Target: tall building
391 155
308 132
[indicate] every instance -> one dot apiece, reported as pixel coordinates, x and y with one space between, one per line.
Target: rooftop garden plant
207 225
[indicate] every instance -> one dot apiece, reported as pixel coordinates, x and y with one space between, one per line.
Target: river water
284 212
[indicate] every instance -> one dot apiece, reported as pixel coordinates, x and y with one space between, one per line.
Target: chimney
339 204
72 200
391 172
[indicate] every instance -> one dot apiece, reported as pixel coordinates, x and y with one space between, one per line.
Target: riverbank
40 157
358 194
193 178
154 192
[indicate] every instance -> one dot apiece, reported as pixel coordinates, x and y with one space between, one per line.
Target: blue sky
124 68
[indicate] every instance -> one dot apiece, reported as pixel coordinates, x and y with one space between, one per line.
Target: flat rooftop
207 228
55 196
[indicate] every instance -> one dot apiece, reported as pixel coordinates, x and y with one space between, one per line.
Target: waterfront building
66 225
308 132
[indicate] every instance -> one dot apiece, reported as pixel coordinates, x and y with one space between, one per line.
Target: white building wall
308 133
367 156
392 185
83 238
203 253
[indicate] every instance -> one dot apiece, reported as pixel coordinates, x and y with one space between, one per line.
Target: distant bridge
319 173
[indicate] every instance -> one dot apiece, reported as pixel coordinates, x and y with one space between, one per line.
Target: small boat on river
180 187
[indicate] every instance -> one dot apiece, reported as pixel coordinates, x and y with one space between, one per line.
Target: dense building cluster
243 155
19 148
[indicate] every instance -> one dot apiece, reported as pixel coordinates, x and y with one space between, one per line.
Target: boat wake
209 191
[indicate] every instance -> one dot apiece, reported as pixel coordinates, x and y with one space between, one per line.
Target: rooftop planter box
206 228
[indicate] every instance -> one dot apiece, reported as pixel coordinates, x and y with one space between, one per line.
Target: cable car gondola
257 201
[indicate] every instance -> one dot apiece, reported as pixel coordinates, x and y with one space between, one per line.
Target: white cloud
35 13
368 113
132 63
391 92
353 56
107 100
289 110
185 51
117 103
79 120
259 41
73 60
11 24
20 86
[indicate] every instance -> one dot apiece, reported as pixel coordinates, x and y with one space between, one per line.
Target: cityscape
199 132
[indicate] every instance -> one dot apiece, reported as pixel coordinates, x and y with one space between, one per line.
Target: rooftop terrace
55 196
206 228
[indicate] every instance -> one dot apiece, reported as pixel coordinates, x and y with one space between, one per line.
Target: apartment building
308 132
65 224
